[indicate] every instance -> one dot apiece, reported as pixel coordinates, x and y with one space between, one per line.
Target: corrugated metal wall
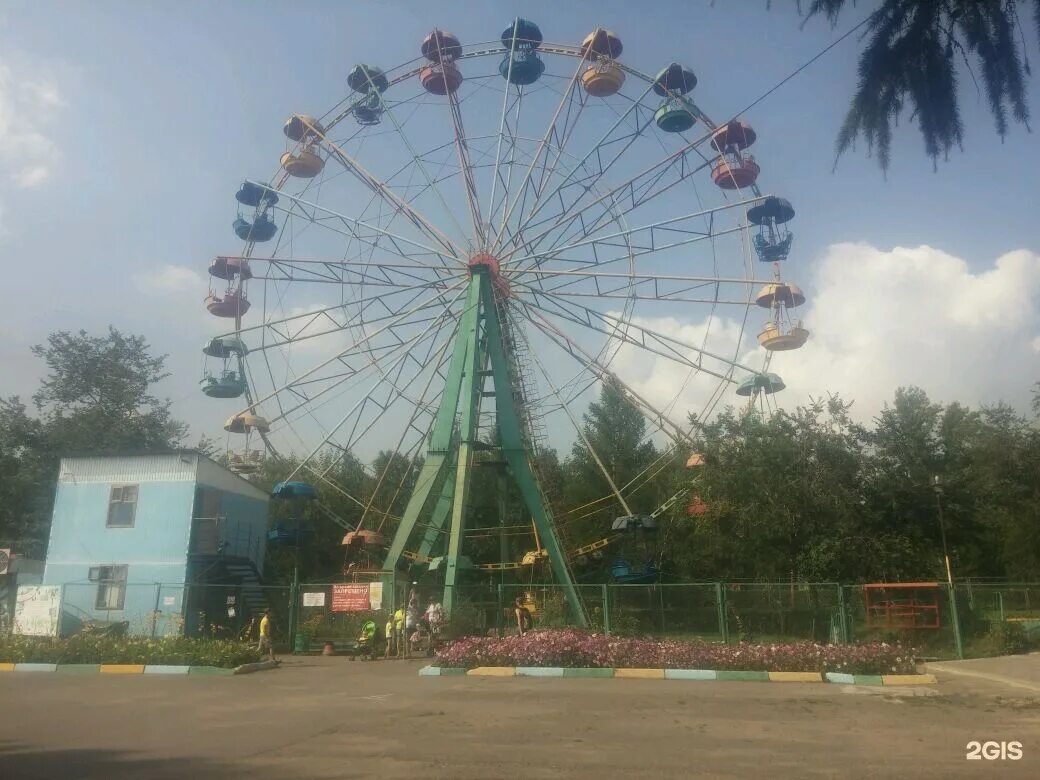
177 467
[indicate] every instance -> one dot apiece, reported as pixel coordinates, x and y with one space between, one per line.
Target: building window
111 590
122 506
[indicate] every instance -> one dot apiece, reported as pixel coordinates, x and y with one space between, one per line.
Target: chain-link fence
173 609
973 620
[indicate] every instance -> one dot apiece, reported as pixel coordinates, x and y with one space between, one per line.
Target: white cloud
172 279
883 319
29 104
31 177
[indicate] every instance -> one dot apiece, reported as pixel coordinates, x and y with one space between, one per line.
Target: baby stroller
367 641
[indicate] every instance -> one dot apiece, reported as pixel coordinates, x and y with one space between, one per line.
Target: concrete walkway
333 718
1012 672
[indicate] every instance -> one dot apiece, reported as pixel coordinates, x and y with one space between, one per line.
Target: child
523 616
389 636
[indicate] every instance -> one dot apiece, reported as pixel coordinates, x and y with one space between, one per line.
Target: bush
575 648
100 649
1008 638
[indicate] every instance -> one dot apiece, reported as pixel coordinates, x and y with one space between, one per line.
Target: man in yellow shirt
265 635
399 632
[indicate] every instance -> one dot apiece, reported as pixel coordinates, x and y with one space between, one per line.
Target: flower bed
87 649
573 648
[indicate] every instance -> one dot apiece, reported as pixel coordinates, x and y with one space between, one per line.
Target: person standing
389 636
399 638
434 616
266 642
411 621
523 616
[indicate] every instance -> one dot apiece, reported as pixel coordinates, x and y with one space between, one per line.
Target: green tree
95 398
617 432
97 393
909 65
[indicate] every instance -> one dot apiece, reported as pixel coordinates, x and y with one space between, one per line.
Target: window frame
111 579
117 498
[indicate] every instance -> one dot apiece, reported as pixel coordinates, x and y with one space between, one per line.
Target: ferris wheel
448 261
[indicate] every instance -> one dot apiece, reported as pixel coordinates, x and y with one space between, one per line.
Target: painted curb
135 668
908 679
35 667
122 669
866 679
689 674
441 671
726 674
258 666
588 672
839 678
795 677
539 671
78 668
639 674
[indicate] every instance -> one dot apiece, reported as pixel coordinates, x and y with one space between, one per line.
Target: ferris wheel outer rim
469 52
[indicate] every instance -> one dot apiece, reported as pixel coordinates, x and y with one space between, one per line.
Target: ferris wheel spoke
543 146
355 225
599 261
640 189
372 355
300 327
343 272
445 62
568 179
581 434
417 159
504 130
404 351
649 238
640 287
502 127
603 374
633 193
437 299
395 394
392 199
619 329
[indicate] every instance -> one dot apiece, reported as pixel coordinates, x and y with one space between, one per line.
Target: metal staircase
522 377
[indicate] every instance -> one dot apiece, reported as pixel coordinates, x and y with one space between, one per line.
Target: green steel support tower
481 353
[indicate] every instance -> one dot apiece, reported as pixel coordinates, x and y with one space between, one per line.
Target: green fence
991 618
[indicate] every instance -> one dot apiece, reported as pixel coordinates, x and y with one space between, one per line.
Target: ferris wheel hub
490 265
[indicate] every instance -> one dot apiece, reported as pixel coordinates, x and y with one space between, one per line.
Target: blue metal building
159 541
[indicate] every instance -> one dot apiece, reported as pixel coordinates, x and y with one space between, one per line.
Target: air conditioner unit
5 561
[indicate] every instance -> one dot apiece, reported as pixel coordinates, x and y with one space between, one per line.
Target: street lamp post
938 487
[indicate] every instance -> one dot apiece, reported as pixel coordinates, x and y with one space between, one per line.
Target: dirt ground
332 718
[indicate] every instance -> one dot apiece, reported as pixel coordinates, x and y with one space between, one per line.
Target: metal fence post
843 623
720 605
500 612
956 621
293 598
1000 606
61 612
155 612
606 608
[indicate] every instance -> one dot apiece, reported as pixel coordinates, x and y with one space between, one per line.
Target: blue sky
125 129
